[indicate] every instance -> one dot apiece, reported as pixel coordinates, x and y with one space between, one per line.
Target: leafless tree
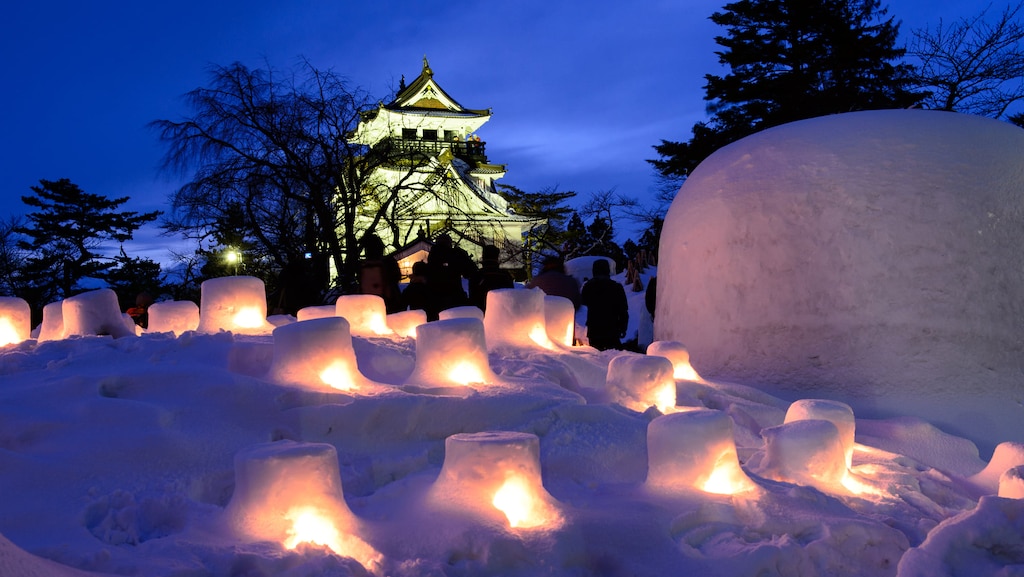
974 65
270 160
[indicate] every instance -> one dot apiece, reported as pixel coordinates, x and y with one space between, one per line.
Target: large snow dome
870 257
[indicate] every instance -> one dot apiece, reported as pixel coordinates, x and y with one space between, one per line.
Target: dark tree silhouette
974 65
277 148
64 233
789 60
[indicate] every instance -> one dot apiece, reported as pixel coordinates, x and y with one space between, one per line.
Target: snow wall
871 258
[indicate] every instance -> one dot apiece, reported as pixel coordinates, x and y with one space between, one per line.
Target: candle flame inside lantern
539 335
310 526
8 334
337 375
378 324
665 398
248 318
727 478
465 373
516 500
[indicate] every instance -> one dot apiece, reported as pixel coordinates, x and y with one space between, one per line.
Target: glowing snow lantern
464 312
94 313
1005 456
807 452
694 449
404 323
236 303
638 382
317 354
15 320
496 475
291 493
366 314
676 352
559 319
839 414
315 312
52 328
173 317
1011 483
515 318
449 353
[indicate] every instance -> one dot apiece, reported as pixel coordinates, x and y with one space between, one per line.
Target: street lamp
233 257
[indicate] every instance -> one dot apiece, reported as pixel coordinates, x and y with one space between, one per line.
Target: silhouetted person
140 312
651 296
417 293
553 281
607 308
490 276
379 274
447 266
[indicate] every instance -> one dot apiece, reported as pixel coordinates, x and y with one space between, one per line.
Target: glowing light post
290 493
496 475
694 450
234 258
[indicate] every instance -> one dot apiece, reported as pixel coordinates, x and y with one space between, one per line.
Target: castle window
409 134
429 134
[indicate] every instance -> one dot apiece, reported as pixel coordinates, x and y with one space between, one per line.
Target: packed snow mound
871 257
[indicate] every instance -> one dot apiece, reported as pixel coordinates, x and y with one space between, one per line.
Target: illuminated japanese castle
455 192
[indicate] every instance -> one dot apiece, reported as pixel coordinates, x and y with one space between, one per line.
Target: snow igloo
873 258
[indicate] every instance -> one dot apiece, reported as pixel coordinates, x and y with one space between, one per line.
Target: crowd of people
437 284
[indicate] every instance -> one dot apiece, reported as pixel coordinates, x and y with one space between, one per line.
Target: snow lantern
15 320
559 319
463 312
675 352
233 303
694 449
94 313
173 317
1011 483
806 452
638 382
839 414
515 318
366 314
290 492
52 328
1006 456
404 323
315 312
317 354
450 353
496 475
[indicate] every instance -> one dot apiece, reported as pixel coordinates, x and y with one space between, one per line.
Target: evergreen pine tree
789 60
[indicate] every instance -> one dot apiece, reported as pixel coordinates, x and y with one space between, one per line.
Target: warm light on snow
248 318
465 373
727 478
539 335
517 502
338 375
310 526
665 398
8 334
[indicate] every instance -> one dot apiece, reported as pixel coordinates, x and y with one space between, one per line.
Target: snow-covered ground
164 455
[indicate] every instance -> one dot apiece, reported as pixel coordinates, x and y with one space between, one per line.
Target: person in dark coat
489 277
379 275
554 282
417 293
607 308
447 266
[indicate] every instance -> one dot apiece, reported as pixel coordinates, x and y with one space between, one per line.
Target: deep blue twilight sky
580 91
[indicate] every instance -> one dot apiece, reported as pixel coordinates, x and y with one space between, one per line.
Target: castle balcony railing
473 152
